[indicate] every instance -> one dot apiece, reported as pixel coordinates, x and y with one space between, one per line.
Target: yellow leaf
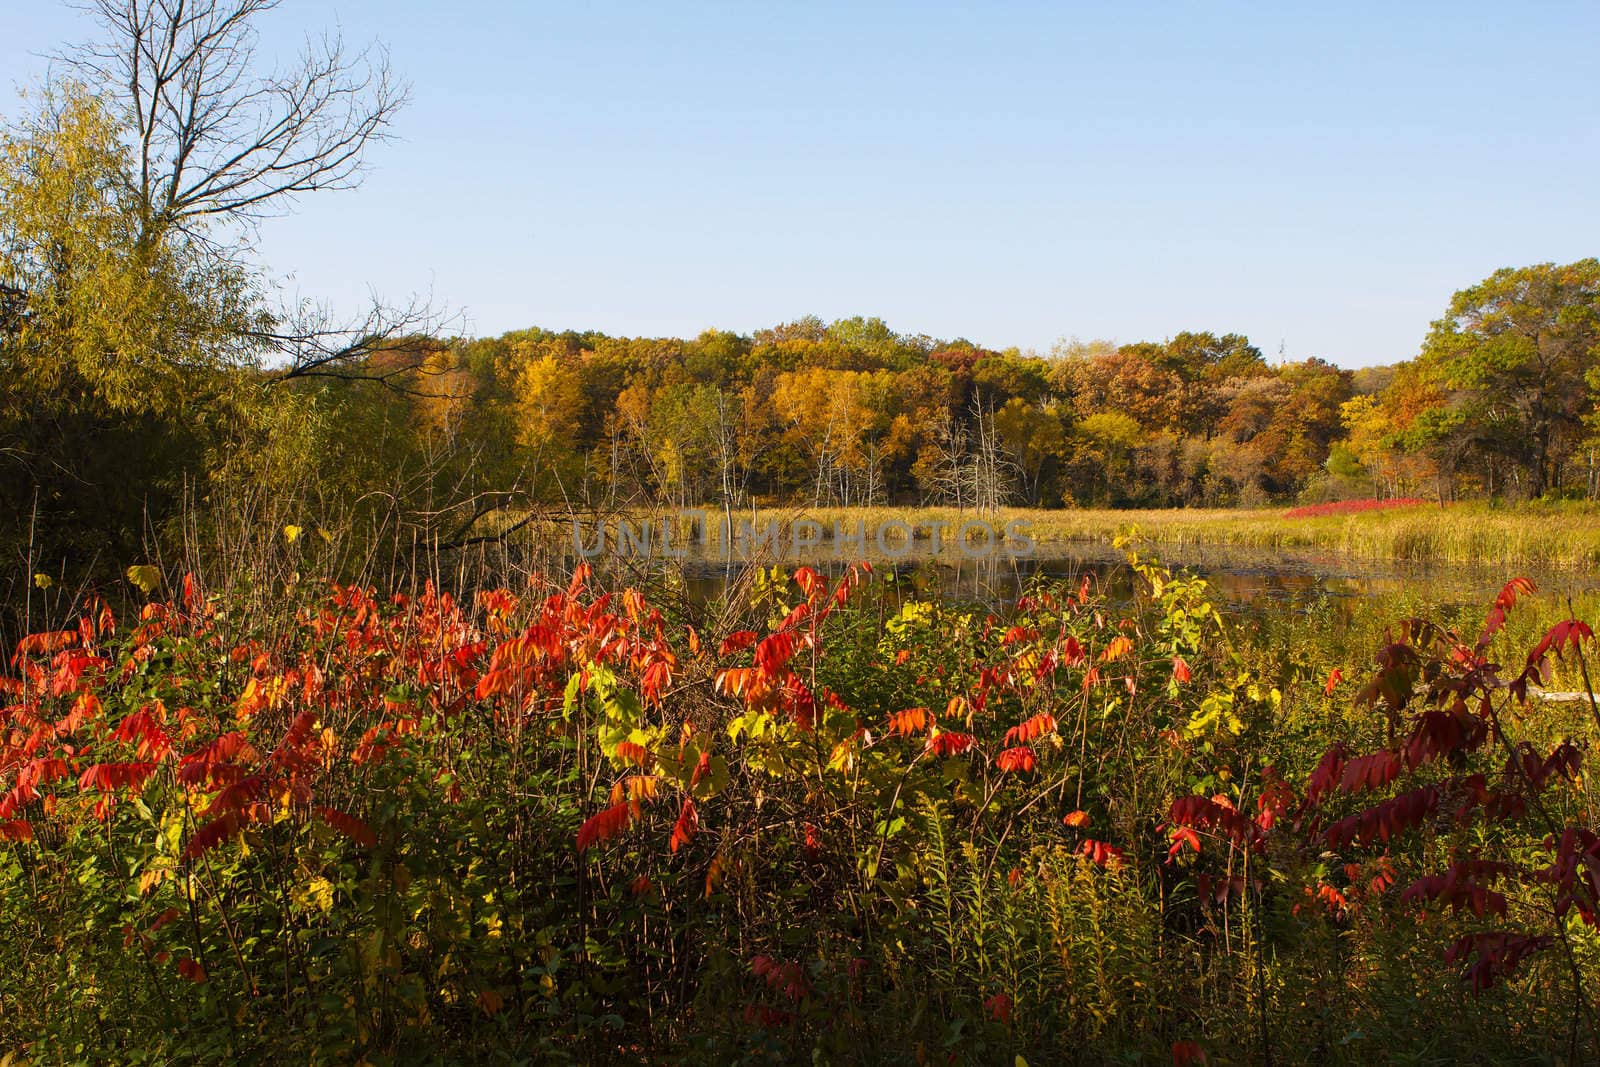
43 581
291 533
146 577
320 893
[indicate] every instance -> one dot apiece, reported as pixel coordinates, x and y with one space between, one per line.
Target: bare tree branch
215 138
311 342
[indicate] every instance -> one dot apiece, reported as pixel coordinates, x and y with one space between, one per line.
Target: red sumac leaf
684 829
738 641
1032 729
811 583
949 743
1102 854
605 825
774 653
909 721
349 826
1015 759
108 777
998 1008
212 834
634 753
16 830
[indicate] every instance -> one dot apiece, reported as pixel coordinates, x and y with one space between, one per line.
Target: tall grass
1475 534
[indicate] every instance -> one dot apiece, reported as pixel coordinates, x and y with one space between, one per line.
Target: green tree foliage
1512 358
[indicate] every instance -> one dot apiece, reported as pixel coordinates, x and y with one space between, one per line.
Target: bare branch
215 138
310 342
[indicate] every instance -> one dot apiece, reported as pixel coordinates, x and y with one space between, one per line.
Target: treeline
1501 403
853 413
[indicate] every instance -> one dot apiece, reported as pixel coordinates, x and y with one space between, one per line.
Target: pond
1244 580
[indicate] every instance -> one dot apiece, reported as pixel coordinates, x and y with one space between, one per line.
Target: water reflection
1241 579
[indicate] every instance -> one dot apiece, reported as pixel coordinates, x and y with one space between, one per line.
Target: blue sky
1318 177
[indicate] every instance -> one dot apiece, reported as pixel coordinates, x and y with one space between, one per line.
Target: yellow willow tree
98 309
119 342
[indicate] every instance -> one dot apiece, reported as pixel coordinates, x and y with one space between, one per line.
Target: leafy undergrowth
557 824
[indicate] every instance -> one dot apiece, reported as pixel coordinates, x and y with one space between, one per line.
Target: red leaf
1326 776
738 641
634 753
1499 954
349 826
1370 772
1567 633
1181 836
811 583
605 825
1032 729
1102 854
688 822
1502 604
109 777
1015 759
909 721
999 1008
43 644
949 743
212 834
774 653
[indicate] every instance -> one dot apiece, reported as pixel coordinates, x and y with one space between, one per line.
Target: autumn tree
1034 438
135 323
1510 356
